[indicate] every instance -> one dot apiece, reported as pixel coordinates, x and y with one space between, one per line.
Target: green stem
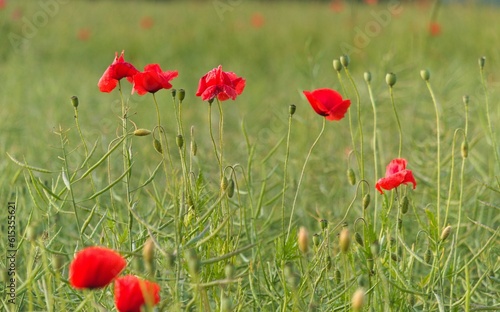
285 170
398 122
375 152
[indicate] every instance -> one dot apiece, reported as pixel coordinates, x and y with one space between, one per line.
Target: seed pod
337 276
182 95
368 76
351 176
425 74
142 132
291 109
194 148
358 239
74 101
428 256
465 149
337 66
179 140
445 233
358 299
316 239
303 240
345 60
482 61
157 146
324 224
390 79
230 188
344 240
404 204
366 200
174 92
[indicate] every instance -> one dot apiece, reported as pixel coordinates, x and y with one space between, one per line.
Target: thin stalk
398 122
374 143
221 136
212 136
285 170
302 176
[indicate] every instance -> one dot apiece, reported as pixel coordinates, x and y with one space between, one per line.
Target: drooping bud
445 233
344 240
405 203
358 299
194 148
230 188
428 256
142 132
425 74
345 60
303 240
148 255
157 146
337 66
358 239
390 79
74 101
482 61
464 149
366 200
291 109
179 140
351 176
368 76
182 95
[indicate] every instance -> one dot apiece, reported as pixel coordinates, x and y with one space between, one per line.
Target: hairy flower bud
174 93
141 132
194 148
344 240
405 203
157 146
316 239
425 74
351 176
345 60
428 256
359 239
179 140
366 200
358 299
291 109
74 101
182 95
230 188
337 66
482 61
303 240
445 233
368 76
390 79
324 224
465 149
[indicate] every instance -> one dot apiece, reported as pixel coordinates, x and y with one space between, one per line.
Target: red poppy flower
116 71
153 79
220 84
434 29
131 293
257 20
328 103
147 22
95 267
395 175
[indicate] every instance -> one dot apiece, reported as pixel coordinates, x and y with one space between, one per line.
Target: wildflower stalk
301 177
391 92
285 171
488 116
212 136
221 137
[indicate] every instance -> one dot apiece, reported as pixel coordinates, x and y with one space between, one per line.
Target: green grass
278 61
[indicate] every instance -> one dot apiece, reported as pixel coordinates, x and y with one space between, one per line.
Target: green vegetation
65 168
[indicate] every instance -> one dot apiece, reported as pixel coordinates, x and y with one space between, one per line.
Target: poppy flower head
395 175
152 79
434 29
328 103
95 267
220 84
132 292
115 72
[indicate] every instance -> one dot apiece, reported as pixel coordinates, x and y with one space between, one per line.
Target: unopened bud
358 299
465 149
291 109
425 74
345 60
174 93
148 251
367 76
337 66
482 60
224 183
194 148
366 201
358 239
316 239
230 188
142 132
400 223
351 176
324 224
182 95
303 240
390 79
157 146
344 240
405 203
179 140
428 256
465 99
74 101
445 233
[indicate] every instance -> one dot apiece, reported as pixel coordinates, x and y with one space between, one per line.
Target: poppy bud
351 177
230 188
182 95
428 256
328 262
148 255
174 92
157 146
344 240
194 148
142 132
367 76
482 60
316 239
303 240
358 239
324 224
224 183
337 276
366 200
291 109
425 74
465 98
179 140
337 66
74 101
465 149
229 271
390 79
445 233
358 299
345 60
404 204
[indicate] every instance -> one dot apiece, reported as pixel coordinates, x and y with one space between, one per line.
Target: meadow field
260 203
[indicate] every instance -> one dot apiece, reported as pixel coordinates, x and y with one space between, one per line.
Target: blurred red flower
337 6
95 267
328 103
434 29
257 20
152 79
3 4
131 293
147 22
220 84
395 175
116 71
83 34
371 2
